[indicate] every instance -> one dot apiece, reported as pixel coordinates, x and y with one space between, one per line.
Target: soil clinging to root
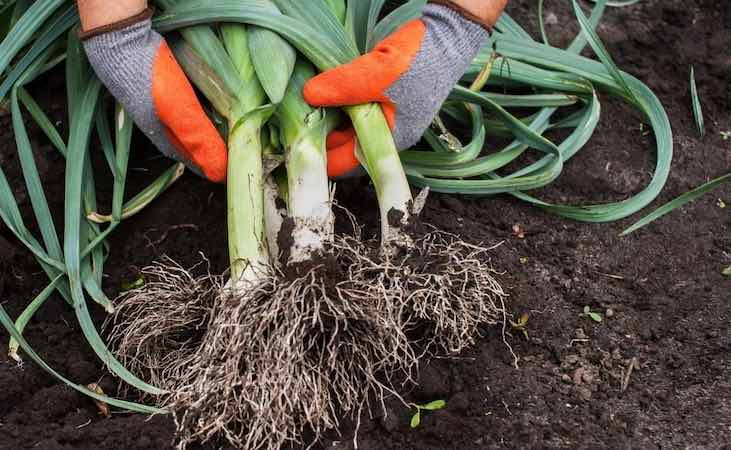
305 346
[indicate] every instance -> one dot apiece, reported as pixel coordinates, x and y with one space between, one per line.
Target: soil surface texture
655 373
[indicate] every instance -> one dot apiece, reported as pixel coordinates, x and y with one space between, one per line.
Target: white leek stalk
309 206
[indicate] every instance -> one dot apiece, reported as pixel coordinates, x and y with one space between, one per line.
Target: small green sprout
433 406
595 316
726 135
521 325
132 285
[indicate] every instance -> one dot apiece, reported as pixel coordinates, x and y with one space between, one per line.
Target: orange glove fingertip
339 138
367 78
188 127
341 159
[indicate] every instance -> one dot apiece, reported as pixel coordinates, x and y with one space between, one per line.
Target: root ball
308 345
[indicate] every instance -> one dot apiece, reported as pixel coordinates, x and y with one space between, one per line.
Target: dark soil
665 304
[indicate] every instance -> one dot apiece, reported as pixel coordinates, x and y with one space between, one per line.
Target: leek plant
238 96
75 267
679 202
560 78
304 130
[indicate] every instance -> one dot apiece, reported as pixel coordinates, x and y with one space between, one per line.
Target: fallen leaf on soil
578 375
633 364
521 325
103 407
519 231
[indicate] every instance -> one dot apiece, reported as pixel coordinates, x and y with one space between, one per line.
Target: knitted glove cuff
121 25
464 13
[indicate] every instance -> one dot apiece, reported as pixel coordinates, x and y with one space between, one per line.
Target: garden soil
655 373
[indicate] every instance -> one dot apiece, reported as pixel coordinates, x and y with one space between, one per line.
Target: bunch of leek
329 34
281 353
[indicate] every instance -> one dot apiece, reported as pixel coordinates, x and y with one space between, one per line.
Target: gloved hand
410 73
137 66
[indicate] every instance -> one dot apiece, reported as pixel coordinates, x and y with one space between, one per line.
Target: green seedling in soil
697 110
521 325
436 405
132 285
595 316
726 135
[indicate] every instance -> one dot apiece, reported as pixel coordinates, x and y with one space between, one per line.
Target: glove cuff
464 13
121 25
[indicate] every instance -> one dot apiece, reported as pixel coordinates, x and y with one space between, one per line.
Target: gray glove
410 73
136 65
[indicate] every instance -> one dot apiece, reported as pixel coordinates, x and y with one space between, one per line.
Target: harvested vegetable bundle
293 346
321 36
